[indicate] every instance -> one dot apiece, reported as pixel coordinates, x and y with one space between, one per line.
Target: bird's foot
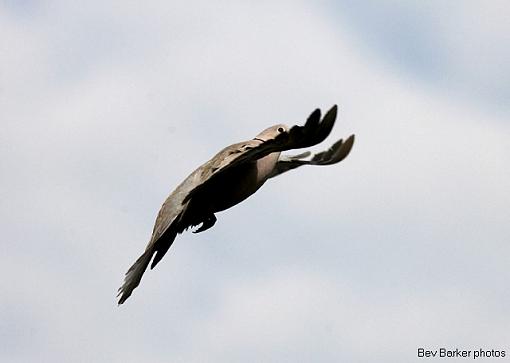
206 223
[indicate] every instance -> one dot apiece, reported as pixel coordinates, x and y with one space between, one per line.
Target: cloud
272 318
458 46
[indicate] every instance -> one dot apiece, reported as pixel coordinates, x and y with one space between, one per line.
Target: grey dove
230 177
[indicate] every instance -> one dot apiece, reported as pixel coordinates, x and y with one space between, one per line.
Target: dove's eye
280 129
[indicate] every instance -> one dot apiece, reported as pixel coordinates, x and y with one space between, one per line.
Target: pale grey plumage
231 176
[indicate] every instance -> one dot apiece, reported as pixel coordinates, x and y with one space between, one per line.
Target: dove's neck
265 166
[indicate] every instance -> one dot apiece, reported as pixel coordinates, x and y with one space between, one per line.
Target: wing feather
336 153
313 132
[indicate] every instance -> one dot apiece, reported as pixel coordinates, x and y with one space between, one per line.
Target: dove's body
227 190
227 179
237 184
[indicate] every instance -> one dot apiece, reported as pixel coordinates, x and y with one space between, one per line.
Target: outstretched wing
313 132
336 153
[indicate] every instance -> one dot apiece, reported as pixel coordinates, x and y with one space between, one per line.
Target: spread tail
134 275
135 272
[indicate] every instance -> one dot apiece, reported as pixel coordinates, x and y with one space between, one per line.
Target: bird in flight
231 176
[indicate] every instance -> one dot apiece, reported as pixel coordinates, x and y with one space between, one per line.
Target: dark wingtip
346 147
331 114
314 118
327 124
315 114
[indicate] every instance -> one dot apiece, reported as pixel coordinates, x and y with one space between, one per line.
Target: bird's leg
207 223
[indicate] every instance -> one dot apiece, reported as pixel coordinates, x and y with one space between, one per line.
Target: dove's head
271 132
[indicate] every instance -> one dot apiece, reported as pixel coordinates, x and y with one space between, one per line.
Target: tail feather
134 275
135 272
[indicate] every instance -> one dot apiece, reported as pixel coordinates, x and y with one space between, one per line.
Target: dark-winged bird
230 177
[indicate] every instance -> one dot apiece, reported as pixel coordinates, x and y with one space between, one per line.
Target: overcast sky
105 106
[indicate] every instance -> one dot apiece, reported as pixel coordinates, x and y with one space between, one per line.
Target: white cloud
460 47
273 319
